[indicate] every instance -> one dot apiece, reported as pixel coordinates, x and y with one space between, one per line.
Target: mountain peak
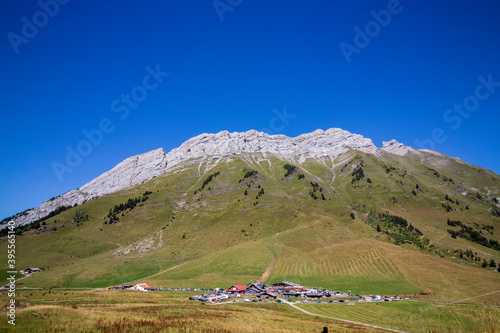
395 147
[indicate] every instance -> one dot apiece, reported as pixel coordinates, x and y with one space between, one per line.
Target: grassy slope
236 265
225 239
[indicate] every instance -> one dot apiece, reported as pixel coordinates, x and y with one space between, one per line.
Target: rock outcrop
396 148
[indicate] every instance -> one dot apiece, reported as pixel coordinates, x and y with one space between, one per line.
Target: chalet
143 287
254 289
236 289
32 270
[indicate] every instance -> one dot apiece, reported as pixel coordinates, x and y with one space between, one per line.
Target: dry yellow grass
133 311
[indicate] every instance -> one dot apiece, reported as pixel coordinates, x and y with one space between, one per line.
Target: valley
371 221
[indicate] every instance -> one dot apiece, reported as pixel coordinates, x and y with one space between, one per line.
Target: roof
236 287
143 285
269 293
286 284
256 285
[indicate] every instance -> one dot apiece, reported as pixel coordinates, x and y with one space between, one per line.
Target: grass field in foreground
134 311
414 316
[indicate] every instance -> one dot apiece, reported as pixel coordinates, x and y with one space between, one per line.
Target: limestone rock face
332 142
137 169
131 171
67 199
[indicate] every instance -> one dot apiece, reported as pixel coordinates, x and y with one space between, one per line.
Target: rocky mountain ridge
137 169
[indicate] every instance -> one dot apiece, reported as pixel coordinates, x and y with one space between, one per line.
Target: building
287 285
236 289
31 270
143 287
267 294
291 294
254 289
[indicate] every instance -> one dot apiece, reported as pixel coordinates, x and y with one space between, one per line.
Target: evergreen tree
246 192
493 263
378 228
484 264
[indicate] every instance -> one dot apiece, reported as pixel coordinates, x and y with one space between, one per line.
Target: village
279 292
283 291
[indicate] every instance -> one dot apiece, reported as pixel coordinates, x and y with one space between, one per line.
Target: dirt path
268 271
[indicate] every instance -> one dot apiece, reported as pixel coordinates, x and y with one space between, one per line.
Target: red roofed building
236 289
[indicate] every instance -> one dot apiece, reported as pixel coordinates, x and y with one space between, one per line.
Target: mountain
326 209
320 145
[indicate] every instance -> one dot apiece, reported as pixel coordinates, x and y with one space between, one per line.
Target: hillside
263 216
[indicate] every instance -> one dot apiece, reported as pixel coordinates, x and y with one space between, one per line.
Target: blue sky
383 69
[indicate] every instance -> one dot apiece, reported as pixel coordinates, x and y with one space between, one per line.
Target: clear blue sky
69 75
